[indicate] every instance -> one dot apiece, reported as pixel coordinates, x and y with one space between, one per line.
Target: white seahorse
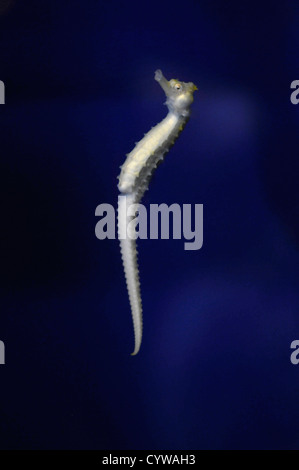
135 176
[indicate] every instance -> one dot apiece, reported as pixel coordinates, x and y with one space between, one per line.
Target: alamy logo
140 224
295 94
295 354
2 353
2 92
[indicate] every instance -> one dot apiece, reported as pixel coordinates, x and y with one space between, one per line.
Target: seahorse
134 179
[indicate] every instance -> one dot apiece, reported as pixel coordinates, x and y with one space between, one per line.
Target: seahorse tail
130 264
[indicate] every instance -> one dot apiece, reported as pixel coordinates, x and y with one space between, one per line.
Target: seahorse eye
178 86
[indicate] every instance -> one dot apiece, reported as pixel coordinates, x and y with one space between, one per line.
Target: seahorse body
135 176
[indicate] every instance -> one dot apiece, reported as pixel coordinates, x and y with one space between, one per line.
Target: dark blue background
214 371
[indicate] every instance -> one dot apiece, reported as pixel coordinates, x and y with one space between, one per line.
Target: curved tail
127 239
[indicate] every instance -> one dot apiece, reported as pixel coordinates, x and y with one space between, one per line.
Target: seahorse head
179 94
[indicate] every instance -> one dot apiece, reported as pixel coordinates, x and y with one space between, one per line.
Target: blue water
214 370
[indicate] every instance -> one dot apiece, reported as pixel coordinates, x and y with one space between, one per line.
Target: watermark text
2 92
2 353
135 222
295 94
